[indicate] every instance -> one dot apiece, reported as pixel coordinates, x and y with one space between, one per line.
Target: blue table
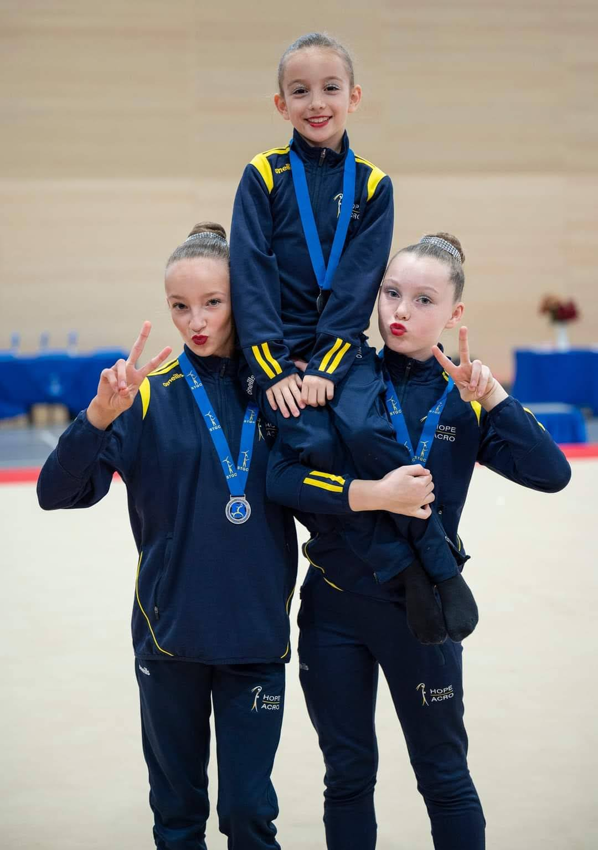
55 377
563 422
565 377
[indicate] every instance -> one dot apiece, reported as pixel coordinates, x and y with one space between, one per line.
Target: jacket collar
422 371
223 367
311 154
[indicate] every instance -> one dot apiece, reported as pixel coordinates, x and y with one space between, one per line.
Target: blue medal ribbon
238 509
397 418
324 274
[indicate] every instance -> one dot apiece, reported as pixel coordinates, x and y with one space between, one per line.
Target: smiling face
416 304
317 96
198 296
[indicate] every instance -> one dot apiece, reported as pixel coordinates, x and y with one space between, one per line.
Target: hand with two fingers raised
120 384
474 381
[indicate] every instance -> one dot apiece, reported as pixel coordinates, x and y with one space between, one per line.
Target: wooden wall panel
122 124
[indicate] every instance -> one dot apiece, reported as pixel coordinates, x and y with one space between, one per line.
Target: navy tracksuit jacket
508 440
274 298
206 591
274 287
351 624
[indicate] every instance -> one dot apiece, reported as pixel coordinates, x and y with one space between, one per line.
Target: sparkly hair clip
442 244
206 233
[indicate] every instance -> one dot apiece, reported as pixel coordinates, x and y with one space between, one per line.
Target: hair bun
209 227
448 237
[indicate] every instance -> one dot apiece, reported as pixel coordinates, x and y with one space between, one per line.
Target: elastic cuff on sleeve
79 447
265 382
336 377
502 405
325 493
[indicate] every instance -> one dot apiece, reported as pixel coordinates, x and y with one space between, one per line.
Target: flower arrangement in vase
560 313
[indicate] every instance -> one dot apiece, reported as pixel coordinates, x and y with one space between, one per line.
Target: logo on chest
444 431
448 433
354 215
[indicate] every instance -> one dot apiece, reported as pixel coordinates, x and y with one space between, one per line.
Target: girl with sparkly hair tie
451 417
216 558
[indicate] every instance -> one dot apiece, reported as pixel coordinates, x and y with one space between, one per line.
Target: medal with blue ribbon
324 273
397 418
238 509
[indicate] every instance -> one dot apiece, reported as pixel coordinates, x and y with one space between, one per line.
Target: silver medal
238 510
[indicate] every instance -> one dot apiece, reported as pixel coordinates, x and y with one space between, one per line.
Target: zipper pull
322 157
156 612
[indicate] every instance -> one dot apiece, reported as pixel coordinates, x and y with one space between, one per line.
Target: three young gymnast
360 436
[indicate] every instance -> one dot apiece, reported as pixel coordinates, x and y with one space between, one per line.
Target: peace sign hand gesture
473 380
120 384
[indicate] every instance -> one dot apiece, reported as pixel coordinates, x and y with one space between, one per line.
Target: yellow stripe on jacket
376 175
262 163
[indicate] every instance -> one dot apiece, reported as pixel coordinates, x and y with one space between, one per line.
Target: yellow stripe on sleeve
527 410
376 175
338 358
258 356
328 356
334 488
338 478
270 359
145 393
262 163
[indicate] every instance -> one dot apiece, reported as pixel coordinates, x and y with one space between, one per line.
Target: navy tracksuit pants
176 698
344 639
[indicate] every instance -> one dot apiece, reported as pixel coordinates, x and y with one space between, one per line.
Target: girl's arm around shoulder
407 490
302 488
517 446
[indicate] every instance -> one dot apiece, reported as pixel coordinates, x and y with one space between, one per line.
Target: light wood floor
73 775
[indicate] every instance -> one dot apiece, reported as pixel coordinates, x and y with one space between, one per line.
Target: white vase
562 336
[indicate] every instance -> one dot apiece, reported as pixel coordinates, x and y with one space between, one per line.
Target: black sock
459 607
424 616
